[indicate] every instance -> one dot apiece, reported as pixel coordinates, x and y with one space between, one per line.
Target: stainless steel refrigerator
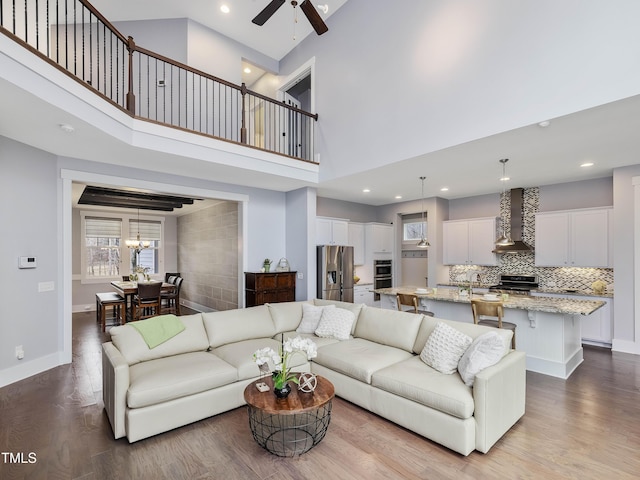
335 272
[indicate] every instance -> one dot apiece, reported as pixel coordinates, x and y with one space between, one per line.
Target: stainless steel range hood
517 212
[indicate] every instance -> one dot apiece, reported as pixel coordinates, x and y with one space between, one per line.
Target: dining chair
171 299
169 275
147 302
482 308
409 300
125 278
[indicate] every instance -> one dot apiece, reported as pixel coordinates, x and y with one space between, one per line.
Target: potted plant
281 372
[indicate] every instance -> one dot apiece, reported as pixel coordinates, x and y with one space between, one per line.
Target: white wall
446 72
301 253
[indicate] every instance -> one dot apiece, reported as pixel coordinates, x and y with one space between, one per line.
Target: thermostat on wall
27 262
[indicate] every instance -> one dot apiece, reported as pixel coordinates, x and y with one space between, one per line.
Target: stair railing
77 39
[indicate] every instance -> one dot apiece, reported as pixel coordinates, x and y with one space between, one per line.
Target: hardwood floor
585 427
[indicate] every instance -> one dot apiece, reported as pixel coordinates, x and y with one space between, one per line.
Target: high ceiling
605 135
274 39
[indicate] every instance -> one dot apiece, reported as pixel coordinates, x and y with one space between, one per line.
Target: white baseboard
89 307
625 346
30 368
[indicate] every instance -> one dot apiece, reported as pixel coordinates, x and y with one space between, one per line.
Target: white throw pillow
335 323
311 317
486 350
444 348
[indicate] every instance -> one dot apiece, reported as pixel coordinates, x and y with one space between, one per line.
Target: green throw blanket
159 329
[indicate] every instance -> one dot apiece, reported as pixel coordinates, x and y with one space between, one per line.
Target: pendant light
423 243
138 244
504 240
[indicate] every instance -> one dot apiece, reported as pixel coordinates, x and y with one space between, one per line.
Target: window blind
96 227
149 229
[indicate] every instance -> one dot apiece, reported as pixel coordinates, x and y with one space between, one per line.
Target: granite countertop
521 302
556 291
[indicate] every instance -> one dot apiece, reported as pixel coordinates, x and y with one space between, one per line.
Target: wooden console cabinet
271 287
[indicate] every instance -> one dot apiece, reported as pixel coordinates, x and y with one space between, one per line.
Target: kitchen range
515 284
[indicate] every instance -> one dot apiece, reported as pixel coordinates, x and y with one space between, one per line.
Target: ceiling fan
306 6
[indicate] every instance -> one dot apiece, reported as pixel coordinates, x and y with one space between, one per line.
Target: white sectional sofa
204 370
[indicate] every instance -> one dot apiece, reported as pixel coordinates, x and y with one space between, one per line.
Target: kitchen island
548 329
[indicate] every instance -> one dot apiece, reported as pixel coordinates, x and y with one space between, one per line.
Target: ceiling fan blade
269 10
314 17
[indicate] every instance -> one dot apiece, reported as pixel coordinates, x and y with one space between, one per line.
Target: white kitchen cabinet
575 238
356 240
379 238
597 328
363 294
332 231
469 242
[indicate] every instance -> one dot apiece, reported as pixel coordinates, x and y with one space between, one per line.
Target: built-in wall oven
382 276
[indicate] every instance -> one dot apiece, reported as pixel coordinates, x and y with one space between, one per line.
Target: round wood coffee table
290 426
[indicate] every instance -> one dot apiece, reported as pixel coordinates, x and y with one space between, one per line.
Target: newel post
243 127
131 98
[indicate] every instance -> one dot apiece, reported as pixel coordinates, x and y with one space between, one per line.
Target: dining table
127 289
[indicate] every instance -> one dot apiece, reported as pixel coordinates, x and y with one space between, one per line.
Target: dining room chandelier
504 239
423 243
138 244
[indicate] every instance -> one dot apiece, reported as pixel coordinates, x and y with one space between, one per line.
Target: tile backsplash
524 263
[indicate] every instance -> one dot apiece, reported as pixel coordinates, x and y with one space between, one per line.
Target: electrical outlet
19 352
300 275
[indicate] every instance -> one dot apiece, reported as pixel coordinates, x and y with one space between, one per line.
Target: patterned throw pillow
486 350
444 348
311 317
335 323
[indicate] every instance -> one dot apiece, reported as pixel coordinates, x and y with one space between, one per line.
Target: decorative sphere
307 382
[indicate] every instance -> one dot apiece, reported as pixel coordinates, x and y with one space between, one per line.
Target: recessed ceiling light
544 124
587 164
444 189
247 70
366 190
66 127
225 9
398 197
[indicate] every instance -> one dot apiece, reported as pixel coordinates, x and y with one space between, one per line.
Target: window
102 247
151 231
105 255
414 231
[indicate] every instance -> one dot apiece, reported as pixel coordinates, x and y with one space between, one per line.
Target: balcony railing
76 38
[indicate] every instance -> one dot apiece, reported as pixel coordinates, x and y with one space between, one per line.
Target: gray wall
208 257
28 195
355 212
301 254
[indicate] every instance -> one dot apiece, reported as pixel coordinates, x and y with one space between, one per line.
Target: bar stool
109 299
408 300
492 309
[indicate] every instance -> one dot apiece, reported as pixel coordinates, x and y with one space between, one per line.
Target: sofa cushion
414 380
319 341
444 348
486 350
134 349
163 379
468 328
388 327
311 315
240 355
286 316
352 307
335 323
231 326
359 358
